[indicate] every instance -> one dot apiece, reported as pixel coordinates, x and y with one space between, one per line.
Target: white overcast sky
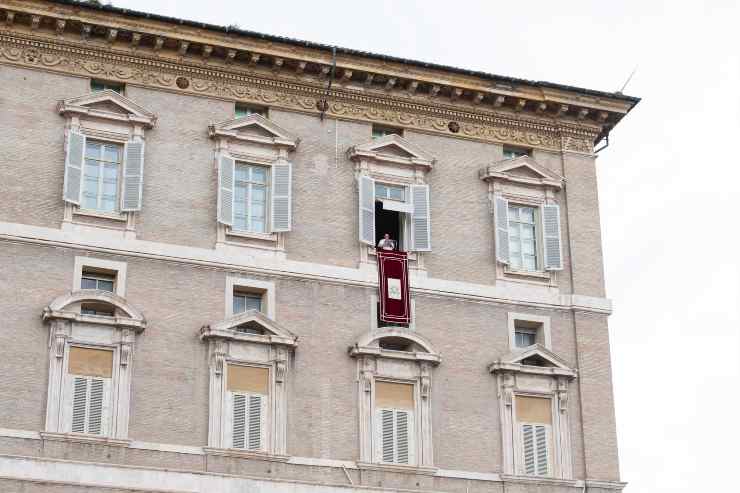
668 184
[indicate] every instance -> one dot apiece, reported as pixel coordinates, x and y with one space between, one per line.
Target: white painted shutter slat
551 234
226 190
95 413
255 422
79 405
387 435
528 449
402 437
281 196
73 167
421 233
367 210
239 421
501 219
541 442
133 176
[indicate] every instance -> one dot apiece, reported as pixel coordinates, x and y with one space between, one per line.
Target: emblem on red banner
393 287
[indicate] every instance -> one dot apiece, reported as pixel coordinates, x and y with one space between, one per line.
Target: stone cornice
175 67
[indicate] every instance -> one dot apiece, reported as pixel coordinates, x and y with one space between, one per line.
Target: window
246 301
250 198
247 388
534 419
99 309
94 280
89 375
100 178
379 131
513 152
241 110
523 237
525 337
392 214
394 410
99 85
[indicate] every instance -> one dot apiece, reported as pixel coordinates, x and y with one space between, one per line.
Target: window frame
115 268
101 164
509 152
537 237
380 131
250 184
266 417
543 331
249 109
118 87
377 426
265 289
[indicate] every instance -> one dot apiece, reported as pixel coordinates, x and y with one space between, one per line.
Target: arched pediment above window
392 149
67 307
250 326
107 105
395 343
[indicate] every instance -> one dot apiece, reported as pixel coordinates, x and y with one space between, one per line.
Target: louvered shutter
89 405
387 438
421 234
551 234
501 219
79 404
367 210
528 447
95 409
73 167
281 196
226 190
238 431
540 437
133 176
255 422
402 437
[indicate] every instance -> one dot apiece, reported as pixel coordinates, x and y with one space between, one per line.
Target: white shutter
528 449
402 437
73 167
79 404
551 235
395 436
226 190
95 410
535 452
387 439
133 176
501 219
421 234
89 402
238 429
367 210
540 437
255 422
281 196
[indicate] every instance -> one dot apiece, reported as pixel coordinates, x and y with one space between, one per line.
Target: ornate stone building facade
189 285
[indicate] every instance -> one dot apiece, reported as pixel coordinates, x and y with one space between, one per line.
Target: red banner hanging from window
393 279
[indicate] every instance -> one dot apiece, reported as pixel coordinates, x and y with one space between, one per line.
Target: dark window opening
534 361
251 328
102 85
396 344
100 309
387 222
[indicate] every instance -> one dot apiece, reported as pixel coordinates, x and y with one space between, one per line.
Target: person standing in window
386 243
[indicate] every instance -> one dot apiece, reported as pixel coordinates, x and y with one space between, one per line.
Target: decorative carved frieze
249 84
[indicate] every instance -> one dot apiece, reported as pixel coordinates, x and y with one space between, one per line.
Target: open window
91 346
249 361
393 195
254 181
533 402
526 216
395 368
104 166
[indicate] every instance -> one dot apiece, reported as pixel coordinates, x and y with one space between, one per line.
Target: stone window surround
271 350
514 378
392 170
70 328
81 263
257 150
104 126
410 367
533 192
544 322
264 288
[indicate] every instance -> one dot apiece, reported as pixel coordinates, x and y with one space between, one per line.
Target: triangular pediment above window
254 128
392 148
108 104
250 326
523 169
535 359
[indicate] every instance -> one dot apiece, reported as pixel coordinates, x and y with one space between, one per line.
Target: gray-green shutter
501 219
226 190
133 176
73 167
367 210
281 196
551 236
421 233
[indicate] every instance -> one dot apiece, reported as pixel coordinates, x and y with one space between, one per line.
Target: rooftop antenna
621 91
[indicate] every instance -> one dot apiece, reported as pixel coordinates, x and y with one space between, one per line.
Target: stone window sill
252 235
403 468
84 438
245 454
113 216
